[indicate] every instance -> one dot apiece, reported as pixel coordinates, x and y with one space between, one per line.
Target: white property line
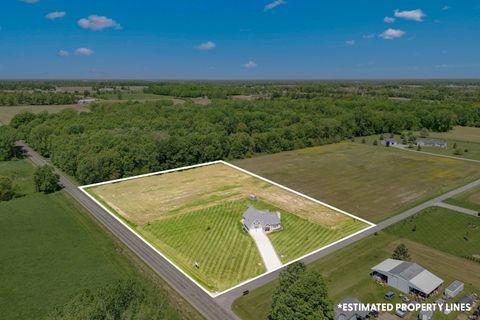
215 295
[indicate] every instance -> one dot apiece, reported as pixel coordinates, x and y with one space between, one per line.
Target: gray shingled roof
431 141
263 217
342 315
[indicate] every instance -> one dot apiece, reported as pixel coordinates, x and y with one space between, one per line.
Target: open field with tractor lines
373 182
194 218
213 238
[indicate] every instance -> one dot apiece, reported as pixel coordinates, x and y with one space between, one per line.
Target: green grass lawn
50 250
214 238
469 199
299 237
347 271
471 134
472 147
442 229
373 182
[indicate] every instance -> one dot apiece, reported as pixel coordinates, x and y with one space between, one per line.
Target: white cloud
445 7
350 42
63 53
369 36
84 52
30 1
390 34
389 19
441 66
416 15
274 4
56 15
94 22
250 65
207 45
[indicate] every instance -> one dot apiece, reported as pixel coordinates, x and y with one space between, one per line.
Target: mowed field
194 217
347 271
51 250
471 134
7 113
373 182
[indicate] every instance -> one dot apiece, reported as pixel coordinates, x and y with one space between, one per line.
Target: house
454 289
425 315
431 143
264 219
389 142
341 314
407 277
86 101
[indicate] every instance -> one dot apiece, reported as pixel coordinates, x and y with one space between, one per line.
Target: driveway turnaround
266 249
458 209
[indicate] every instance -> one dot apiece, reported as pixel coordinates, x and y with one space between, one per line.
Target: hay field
157 197
471 134
373 182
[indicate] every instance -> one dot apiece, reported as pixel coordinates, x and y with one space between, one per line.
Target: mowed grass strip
442 229
469 199
373 182
299 236
212 237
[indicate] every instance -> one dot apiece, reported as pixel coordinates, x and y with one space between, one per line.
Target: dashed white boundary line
217 294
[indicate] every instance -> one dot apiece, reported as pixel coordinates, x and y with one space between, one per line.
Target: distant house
407 277
454 289
431 143
86 101
389 142
341 314
264 219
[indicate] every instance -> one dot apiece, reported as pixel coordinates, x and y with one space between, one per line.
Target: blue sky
272 39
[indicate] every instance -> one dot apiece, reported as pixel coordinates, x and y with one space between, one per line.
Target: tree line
36 98
117 140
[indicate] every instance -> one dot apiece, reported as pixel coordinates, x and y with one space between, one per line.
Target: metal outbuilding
454 289
407 277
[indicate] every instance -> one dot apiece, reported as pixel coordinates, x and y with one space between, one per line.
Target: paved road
458 209
227 299
191 292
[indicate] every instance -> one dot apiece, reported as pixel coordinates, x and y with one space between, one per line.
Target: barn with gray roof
407 277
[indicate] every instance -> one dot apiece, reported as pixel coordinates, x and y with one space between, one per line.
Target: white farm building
407 277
